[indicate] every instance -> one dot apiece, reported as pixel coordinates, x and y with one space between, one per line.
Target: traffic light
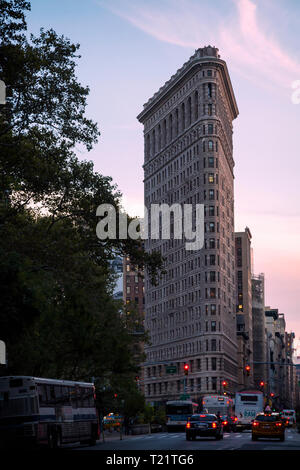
186 369
224 383
115 395
247 369
262 384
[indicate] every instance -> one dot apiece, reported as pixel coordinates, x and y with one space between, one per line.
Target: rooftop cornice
201 56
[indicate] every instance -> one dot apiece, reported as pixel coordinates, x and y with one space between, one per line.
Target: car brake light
188 425
278 424
255 423
235 419
214 425
225 422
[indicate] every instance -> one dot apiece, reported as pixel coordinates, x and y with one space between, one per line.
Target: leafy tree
57 313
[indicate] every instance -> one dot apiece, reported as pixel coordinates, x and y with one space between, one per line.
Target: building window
213 309
211 178
210 145
210 162
196 105
213 363
210 128
211 211
214 383
199 383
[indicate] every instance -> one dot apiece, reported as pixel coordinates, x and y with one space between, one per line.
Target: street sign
185 397
171 369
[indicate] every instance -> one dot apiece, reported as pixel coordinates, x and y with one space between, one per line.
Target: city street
177 441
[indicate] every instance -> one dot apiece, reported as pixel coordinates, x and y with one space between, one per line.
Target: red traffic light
224 383
261 383
186 369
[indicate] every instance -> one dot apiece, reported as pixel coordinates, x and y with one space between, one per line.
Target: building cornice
208 56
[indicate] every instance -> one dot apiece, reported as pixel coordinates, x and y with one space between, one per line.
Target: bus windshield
179 410
17 406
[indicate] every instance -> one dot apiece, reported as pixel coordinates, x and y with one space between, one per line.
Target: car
204 425
289 416
268 425
229 423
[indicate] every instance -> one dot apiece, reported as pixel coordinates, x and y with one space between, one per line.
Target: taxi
268 425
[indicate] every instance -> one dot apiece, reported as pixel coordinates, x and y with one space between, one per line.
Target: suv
268 425
204 425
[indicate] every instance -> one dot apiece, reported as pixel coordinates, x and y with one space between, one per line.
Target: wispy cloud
238 31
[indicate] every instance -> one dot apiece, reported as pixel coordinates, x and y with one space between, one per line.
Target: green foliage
57 313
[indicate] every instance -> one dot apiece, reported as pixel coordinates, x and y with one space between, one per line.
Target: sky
130 48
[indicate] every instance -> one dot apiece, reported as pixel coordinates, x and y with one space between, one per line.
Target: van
289 416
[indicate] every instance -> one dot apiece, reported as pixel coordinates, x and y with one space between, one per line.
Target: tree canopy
57 312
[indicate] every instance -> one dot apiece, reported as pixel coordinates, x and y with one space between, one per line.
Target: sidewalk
115 436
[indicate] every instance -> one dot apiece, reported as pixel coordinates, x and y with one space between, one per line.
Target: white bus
218 403
248 404
178 412
47 411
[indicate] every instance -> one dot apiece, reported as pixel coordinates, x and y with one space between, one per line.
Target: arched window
164 132
170 128
203 146
189 111
183 116
210 145
159 137
196 105
148 146
176 122
153 143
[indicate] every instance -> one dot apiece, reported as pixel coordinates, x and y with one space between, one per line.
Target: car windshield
267 418
203 418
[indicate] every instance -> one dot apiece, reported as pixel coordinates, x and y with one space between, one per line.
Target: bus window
65 395
42 391
51 397
74 396
13 383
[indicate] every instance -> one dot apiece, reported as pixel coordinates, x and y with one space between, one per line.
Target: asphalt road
176 441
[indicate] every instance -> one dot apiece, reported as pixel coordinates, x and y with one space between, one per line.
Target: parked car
204 425
268 425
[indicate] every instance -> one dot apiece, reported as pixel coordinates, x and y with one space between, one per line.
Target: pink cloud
240 37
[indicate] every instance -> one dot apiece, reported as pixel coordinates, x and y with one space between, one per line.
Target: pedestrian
126 425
